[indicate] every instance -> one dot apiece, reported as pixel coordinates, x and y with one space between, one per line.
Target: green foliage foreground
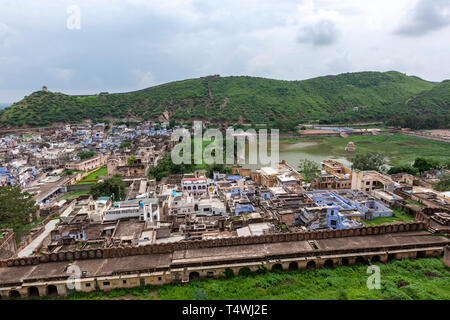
417 279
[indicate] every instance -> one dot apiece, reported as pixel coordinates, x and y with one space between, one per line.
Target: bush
229 273
199 294
261 270
245 272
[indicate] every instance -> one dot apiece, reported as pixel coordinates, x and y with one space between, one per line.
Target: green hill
254 100
426 110
435 100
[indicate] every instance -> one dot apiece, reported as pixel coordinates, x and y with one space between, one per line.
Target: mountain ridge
331 98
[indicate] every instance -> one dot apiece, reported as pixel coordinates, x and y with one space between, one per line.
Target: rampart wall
226 242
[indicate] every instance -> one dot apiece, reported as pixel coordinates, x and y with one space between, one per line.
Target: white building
211 206
144 209
255 229
195 186
181 204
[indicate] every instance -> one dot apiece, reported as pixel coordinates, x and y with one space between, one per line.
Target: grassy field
418 279
73 194
399 148
94 175
399 216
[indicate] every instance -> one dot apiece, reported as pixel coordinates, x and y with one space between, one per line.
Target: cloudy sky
89 46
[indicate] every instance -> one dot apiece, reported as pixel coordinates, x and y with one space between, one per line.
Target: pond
294 152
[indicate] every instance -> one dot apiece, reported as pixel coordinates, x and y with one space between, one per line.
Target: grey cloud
5 33
129 45
426 16
322 33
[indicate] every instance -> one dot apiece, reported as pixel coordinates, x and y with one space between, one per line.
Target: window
124 281
106 283
88 285
159 278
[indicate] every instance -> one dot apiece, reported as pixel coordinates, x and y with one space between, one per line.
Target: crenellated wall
171 247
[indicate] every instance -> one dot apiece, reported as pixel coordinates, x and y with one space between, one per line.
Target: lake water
294 152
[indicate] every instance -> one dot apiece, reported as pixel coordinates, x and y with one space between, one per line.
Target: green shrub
245 272
229 273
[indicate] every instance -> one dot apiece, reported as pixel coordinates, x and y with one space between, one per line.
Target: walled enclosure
160 271
171 247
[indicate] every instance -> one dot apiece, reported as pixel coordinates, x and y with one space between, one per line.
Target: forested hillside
427 110
345 97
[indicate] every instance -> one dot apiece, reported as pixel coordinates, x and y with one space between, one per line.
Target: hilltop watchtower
44 88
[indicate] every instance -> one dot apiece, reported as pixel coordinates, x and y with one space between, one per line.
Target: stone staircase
432 230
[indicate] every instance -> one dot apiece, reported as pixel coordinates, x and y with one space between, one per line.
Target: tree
16 207
166 167
286 125
423 164
131 160
172 123
310 170
83 155
215 167
125 144
113 186
404 169
444 183
369 161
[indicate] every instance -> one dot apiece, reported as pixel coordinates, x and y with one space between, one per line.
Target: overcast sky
125 45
